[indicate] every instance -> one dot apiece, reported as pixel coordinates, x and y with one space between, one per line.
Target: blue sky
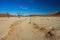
26 7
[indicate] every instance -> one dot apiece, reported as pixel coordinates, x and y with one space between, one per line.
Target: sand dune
55 14
6 15
51 15
32 28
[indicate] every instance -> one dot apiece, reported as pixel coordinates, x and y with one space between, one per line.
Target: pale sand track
33 28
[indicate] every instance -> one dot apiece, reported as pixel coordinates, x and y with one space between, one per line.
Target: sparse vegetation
31 28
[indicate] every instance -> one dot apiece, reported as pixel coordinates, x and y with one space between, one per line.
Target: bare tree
18 14
8 14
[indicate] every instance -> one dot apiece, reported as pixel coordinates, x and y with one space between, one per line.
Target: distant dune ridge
56 14
6 15
9 15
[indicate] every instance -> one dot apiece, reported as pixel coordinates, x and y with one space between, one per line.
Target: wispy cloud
23 8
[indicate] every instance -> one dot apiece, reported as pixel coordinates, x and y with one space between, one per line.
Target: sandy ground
30 28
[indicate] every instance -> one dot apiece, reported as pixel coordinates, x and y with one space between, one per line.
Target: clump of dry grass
35 26
47 30
48 33
50 36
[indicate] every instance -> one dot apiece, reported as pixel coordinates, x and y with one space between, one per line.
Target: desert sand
30 28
